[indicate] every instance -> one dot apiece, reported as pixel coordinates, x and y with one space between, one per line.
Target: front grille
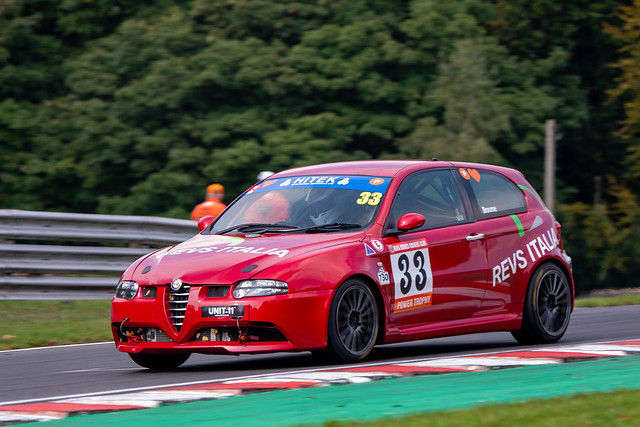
178 305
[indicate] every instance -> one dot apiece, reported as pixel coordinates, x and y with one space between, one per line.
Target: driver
322 206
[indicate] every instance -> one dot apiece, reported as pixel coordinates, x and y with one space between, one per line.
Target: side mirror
205 221
410 221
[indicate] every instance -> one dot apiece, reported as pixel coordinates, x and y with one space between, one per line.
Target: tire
353 322
160 362
547 307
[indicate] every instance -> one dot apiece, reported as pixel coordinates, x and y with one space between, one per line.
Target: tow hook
242 337
126 337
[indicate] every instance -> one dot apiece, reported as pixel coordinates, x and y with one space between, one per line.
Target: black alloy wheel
353 322
547 307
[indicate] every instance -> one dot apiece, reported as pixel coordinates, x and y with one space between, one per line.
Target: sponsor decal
352 182
519 260
235 241
383 275
225 240
378 246
519 224
232 249
261 185
537 222
368 250
470 173
412 275
525 188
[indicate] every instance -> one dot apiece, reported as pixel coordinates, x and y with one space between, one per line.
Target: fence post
550 164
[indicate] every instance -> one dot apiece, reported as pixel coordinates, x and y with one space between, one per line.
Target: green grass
619 408
623 299
25 324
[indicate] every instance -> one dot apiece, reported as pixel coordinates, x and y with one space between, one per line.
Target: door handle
475 236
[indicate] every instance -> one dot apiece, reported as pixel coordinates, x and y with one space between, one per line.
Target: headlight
127 289
260 288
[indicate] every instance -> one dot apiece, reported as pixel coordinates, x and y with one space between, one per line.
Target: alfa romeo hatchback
338 258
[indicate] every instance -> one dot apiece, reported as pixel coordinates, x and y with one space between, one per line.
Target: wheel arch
519 292
377 293
543 319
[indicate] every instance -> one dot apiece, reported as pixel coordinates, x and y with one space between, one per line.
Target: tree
102 103
533 30
628 88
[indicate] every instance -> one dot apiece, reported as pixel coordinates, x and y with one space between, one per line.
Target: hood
216 259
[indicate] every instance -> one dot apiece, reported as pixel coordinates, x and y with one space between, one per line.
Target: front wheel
160 362
547 307
353 322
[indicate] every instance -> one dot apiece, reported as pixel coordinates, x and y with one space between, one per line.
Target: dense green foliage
133 107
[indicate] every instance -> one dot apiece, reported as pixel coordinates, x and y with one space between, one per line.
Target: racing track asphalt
385 398
61 372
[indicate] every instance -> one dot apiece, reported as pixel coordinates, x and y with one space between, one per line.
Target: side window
434 195
496 195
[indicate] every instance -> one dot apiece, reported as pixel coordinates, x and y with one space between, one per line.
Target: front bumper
291 322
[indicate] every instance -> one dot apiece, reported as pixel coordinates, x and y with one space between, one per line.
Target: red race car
337 258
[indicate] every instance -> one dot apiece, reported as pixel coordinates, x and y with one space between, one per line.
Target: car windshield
308 204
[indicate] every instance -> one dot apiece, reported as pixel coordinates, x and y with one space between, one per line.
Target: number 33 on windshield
368 198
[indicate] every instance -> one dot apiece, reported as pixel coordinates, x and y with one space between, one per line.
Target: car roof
361 167
385 168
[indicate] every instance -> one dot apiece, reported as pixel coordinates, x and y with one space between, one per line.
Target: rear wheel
353 322
547 307
160 362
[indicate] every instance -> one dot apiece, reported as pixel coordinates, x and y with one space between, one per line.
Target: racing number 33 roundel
412 275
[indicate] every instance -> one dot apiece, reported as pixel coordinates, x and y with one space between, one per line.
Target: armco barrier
71 255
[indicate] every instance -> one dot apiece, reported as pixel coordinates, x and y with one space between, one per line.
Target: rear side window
495 195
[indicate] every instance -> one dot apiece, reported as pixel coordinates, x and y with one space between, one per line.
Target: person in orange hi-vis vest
268 209
212 205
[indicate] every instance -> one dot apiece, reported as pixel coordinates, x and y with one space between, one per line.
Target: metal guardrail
69 255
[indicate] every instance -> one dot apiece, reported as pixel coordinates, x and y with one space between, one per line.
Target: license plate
223 311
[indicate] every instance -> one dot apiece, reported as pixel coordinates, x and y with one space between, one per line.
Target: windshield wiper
258 228
334 226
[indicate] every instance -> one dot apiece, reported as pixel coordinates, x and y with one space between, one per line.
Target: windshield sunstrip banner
349 182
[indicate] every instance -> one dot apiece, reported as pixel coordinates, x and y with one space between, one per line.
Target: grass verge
619 408
608 301
27 324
